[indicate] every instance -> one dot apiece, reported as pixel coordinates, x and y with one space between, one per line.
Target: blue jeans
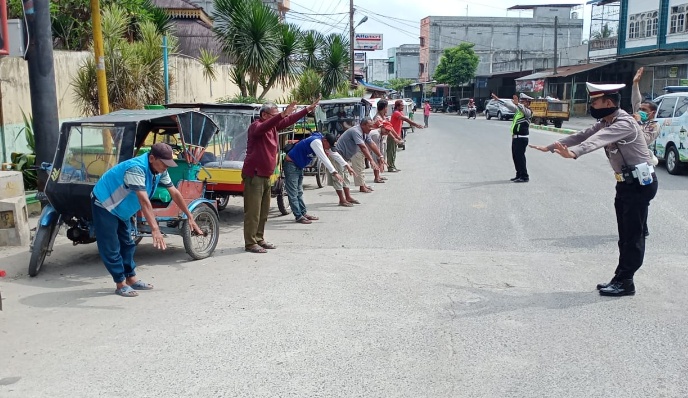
115 243
293 179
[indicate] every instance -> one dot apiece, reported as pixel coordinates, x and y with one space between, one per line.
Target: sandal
379 181
303 220
266 245
255 249
346 204
354 202
312 218
139 285
126 291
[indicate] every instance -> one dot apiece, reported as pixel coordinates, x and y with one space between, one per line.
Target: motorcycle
472 112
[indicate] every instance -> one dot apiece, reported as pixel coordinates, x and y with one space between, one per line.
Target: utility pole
351 41
101 80
556 51
39 57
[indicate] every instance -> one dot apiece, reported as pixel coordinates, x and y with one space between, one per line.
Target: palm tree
250 35
208 60
308 88
335 63
286 69
313 43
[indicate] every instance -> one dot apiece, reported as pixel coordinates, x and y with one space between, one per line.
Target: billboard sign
360 57
368 41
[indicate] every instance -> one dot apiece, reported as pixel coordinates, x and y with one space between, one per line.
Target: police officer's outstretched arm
147 210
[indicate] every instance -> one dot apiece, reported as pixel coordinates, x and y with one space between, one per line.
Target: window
422 41
655 23
666 108
631 30
648 29
91 151
678 21
681 106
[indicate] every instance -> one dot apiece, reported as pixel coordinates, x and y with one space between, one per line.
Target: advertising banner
368 41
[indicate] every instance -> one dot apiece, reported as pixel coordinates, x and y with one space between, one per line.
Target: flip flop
346 204
126 291
266 245
255 249
139 285
379 182
354 201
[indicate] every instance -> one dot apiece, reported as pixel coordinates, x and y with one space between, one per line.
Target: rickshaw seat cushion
227 164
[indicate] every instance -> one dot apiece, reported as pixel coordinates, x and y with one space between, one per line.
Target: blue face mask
643 116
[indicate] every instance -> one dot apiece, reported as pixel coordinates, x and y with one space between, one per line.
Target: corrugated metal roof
564 71
532 6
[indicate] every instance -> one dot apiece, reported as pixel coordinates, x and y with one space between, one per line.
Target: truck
548 110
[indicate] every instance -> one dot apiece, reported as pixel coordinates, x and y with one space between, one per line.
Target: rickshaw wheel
282 199
201 246
321 174
222 202
40 248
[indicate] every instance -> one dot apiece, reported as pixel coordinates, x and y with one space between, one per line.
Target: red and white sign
368 41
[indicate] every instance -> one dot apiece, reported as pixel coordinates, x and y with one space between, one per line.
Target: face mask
602 113
643 116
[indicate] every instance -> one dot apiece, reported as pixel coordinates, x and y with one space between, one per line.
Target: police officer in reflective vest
519 133
624 143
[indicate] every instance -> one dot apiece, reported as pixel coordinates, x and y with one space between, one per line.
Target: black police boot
605 285
624 287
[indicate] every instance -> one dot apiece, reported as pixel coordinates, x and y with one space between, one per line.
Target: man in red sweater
260 162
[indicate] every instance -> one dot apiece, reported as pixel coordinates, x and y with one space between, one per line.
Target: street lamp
351 39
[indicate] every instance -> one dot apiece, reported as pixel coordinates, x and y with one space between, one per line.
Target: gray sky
405 29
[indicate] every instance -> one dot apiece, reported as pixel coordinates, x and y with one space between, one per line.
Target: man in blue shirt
296 160
117 196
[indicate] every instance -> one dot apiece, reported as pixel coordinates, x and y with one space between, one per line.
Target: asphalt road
447 281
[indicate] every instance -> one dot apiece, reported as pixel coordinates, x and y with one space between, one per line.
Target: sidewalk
571 126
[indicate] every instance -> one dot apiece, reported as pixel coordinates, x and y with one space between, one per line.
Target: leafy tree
71 19
133 69
457 65
380 83
208 60
398 84
308 88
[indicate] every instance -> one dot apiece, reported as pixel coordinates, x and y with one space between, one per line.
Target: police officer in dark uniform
624 143
520 126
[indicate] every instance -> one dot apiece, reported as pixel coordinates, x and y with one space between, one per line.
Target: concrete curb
553 129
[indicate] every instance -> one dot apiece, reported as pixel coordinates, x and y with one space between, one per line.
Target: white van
671 145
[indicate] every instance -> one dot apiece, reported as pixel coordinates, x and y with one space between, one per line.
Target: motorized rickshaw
338 115
88 147
225 156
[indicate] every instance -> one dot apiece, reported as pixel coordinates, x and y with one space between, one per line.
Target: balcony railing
604 44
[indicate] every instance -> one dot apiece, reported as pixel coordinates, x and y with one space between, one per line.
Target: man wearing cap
117 196
624 143
260 162
520 131
295 161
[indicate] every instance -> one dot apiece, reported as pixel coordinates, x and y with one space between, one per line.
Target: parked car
497 109
671 145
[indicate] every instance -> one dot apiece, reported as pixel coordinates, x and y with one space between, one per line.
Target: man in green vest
519 133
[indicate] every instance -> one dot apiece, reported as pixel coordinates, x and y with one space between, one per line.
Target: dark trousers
518 153
115 244
631 204
256 208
